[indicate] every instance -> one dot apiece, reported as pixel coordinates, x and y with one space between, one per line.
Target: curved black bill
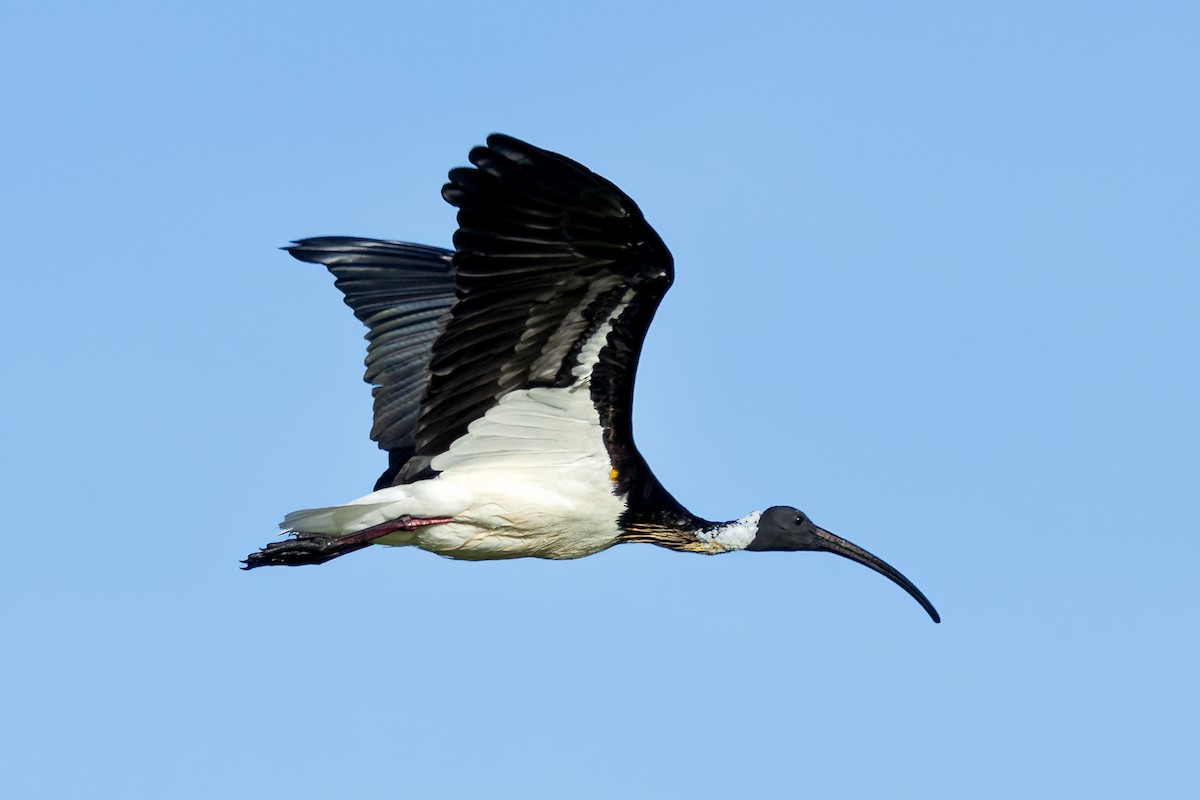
831 543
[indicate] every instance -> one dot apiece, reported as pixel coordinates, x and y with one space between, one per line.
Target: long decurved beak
830 543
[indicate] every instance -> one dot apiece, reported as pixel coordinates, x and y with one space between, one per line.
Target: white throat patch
736 535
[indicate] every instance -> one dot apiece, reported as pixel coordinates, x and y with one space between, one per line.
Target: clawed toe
307 549
316 548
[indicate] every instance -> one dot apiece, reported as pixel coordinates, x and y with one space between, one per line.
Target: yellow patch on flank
612 474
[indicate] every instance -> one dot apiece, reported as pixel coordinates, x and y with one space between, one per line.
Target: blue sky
937 286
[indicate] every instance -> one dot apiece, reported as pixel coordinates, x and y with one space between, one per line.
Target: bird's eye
799 519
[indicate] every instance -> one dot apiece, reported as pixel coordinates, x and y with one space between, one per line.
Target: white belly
529 478
503 515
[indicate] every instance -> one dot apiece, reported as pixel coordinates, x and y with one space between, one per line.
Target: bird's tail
335 520
318 535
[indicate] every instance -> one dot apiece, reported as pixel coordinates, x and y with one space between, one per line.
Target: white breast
535 475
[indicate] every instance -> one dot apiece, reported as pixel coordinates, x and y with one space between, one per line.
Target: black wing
546 252
403 294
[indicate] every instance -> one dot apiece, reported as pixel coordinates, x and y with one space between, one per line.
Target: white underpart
736 535
529 478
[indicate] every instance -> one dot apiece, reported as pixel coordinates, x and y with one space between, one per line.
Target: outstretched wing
549 256
403 294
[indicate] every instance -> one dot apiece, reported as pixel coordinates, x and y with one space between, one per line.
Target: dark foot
304 549
316 548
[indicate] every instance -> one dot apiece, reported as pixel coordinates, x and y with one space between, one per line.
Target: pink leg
405 523
316 548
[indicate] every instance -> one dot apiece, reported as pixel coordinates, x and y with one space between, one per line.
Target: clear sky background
937 286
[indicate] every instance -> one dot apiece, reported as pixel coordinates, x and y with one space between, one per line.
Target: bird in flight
503 376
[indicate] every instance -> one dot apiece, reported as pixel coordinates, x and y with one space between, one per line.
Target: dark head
786 528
